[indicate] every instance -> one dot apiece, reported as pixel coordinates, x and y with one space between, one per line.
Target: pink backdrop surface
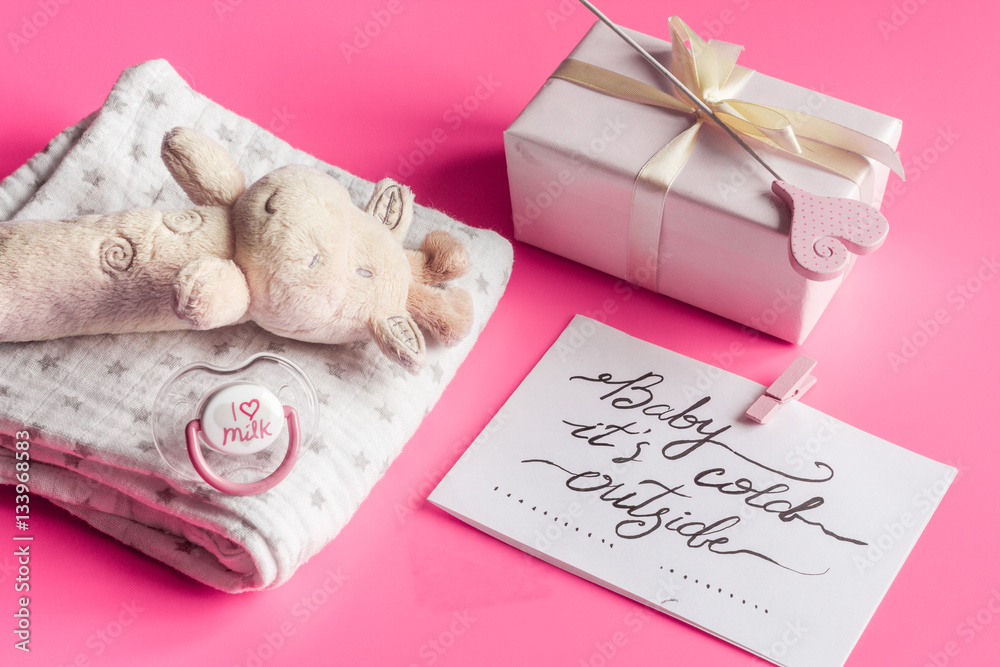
405 584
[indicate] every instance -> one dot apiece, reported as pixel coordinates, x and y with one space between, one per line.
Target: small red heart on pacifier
250 408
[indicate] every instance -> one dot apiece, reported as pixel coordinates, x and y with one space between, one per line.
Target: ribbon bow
709 70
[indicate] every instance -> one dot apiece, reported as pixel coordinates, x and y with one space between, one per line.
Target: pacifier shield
245 420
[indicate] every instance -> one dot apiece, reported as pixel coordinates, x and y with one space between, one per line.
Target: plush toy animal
291 253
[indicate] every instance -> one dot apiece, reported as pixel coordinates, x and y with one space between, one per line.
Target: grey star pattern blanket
84 403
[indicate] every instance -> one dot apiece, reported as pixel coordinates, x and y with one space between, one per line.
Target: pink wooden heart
250 408
825 229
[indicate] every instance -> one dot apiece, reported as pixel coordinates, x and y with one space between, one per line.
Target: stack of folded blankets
85 402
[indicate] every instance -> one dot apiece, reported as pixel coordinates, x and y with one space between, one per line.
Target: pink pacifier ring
249 488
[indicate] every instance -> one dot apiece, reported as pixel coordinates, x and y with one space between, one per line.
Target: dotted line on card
732 596
611 545
556 519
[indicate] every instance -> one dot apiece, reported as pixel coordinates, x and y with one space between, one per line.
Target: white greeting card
634 467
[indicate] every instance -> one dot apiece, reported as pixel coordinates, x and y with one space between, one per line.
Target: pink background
412 586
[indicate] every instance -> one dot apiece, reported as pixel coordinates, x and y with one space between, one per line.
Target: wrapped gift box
717 238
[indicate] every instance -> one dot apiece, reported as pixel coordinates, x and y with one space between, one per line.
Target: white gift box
717 239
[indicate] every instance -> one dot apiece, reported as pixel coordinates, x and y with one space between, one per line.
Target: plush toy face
318 267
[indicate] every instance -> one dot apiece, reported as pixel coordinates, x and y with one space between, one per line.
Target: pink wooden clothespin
789 386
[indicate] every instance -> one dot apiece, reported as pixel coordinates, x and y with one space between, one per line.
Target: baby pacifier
238 429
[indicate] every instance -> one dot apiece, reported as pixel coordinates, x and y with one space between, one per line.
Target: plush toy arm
445 313
202 168
441 257
210 292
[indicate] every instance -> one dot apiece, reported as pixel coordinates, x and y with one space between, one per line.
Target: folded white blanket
85 402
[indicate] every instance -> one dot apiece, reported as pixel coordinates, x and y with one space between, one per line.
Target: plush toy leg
400 339
441 257
445 313
210 292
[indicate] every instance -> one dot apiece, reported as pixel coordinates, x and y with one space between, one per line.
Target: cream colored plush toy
291 253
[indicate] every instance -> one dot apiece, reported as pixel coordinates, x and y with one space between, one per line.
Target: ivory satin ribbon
710 71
